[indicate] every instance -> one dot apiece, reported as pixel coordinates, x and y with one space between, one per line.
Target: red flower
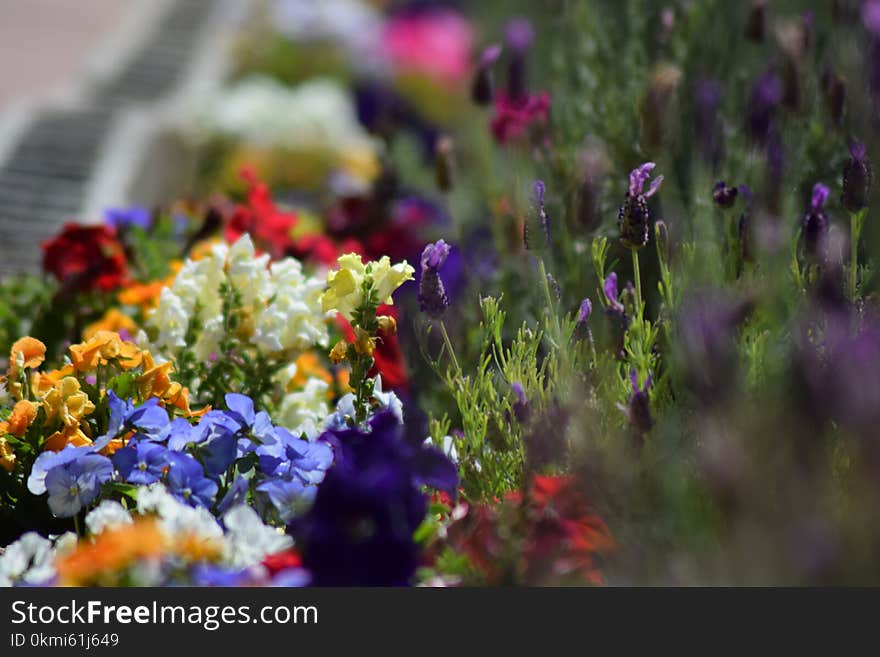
275 563
554 538
260 217
323 249
86 258
513 120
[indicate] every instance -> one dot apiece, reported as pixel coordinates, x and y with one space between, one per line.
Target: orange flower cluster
61 396
105 560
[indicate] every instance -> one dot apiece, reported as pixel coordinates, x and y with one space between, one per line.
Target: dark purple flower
540 213
707 96
834 90
857 176
519 35
756 22
814 225
707 342
638 409
521 408
765 98
432 295
634 217
723 195
483 87
359 531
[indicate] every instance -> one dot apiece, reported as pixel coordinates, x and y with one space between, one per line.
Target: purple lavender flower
615 307
723 195
519 35
756 22
638 409
483 87
857 176
432 295
765 98
814 225
833 87
707 99
634 217
521 408
538 206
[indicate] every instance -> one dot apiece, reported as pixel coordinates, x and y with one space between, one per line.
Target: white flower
280 306
248 540
308 405
447 446
108 513
28 560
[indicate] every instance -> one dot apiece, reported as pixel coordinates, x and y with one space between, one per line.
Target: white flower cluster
280 306
244 543
316 115
352 24
31 559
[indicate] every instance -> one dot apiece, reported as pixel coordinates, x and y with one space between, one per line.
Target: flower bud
723 195
387 324
633 217
857 176
432 295
756 23
339 352
814 226
483 86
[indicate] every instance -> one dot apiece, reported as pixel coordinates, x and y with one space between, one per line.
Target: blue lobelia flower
187 481
75 484
141 463
149 419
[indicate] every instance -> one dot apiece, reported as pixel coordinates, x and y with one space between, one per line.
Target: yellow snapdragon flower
345 285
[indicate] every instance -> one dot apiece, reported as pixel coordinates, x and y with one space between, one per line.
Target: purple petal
585 311
611 288
490 55
655 185
820 195
858 151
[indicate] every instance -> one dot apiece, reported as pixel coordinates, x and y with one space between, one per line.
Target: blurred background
86 89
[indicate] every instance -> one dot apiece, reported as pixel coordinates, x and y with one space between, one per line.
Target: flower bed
581 299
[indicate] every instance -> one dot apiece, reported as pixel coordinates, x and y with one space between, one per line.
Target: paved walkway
72 72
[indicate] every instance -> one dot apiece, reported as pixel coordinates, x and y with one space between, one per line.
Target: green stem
854 254
548 297
449 348
76 526
638 277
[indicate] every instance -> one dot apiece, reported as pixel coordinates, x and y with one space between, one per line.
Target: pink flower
513 120
434 43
